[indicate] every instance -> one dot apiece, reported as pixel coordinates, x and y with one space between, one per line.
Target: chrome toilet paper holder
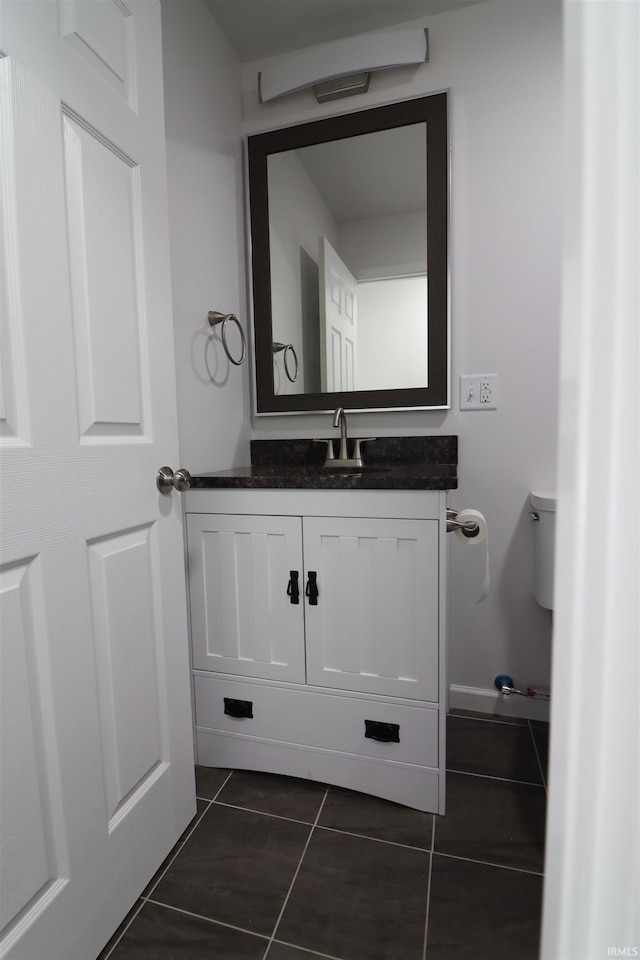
468 527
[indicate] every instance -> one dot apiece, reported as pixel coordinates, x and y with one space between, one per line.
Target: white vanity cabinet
317 621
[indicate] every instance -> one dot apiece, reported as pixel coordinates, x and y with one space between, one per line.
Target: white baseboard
491 701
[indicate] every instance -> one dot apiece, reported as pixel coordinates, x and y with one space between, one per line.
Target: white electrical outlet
478 391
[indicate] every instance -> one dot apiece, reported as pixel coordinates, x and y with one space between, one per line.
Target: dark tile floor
273 868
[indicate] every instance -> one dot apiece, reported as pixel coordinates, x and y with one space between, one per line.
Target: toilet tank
543 506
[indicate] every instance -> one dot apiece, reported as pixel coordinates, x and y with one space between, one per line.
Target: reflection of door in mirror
338 322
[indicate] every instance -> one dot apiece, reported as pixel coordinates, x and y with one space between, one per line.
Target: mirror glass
349 247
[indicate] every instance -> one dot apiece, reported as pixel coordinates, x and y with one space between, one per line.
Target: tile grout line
535 747
366 836
426 917
488 776
178 849
113 947
489 863
295 876
215 923
220 788
508 721
307 950
233 926
262 813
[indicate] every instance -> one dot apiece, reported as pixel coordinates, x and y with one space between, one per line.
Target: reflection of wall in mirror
390 246
392 334
297 217
393 311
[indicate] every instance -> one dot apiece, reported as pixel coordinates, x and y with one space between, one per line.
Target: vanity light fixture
342 68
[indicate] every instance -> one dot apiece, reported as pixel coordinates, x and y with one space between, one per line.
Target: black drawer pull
239 709
311 590
383 732
293 589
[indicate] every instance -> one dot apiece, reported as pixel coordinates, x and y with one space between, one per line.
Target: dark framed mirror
349 247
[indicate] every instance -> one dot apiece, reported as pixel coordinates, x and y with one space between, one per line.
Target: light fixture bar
341 87
351 55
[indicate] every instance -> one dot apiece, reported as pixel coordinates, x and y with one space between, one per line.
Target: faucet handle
329 442
357 453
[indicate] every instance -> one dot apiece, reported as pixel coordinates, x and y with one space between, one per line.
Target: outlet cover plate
478 391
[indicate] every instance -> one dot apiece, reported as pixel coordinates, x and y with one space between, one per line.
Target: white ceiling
264 28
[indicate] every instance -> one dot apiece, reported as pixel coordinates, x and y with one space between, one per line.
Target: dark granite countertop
391 463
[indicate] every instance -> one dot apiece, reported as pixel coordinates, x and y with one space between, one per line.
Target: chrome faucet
340 420
343 459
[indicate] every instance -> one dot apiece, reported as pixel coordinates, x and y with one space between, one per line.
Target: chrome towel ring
214 319
277 347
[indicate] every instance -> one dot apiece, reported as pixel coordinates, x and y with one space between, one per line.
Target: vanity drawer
360 726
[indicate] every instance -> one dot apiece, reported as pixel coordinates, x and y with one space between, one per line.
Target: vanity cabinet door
374 627
242 584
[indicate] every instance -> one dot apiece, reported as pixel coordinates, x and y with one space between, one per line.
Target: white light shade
361 54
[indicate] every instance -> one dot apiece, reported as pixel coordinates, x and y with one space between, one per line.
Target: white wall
205 185
502 63
392 334
298 217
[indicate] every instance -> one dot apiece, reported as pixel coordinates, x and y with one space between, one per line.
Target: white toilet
544 514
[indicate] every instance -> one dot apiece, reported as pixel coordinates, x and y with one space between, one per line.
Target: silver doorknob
166 480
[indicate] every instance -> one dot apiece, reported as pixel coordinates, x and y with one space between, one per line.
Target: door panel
124 614
338 321
27 849
104 227
242 619
96 724
101 33
12 388
375 626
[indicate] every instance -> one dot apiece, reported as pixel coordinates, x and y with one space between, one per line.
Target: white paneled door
338 322
96 775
